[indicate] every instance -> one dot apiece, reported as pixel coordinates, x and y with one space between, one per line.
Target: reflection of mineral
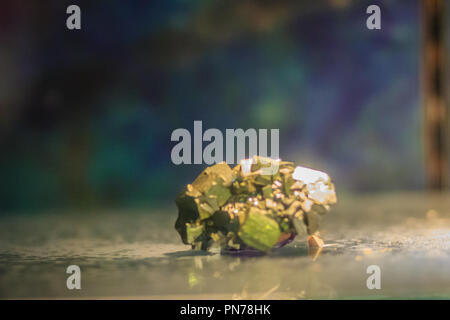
259 204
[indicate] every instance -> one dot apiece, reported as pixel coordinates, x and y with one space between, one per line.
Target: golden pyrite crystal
258 205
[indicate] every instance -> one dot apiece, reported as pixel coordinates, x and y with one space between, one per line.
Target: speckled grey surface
139 255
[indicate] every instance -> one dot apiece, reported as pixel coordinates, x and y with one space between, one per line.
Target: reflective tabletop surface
138 255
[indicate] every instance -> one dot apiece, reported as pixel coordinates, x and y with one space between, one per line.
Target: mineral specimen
252 208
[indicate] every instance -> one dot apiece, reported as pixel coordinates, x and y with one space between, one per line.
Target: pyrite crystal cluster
258 205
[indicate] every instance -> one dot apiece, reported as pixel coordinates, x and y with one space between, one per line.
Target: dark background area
86 115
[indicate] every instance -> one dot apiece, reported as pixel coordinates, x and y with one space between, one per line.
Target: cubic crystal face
253 206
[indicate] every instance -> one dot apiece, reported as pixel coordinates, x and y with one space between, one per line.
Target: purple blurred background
86 115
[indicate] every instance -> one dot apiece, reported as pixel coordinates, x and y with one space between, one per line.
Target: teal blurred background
86 116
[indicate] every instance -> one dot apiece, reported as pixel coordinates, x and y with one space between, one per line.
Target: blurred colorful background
86 115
